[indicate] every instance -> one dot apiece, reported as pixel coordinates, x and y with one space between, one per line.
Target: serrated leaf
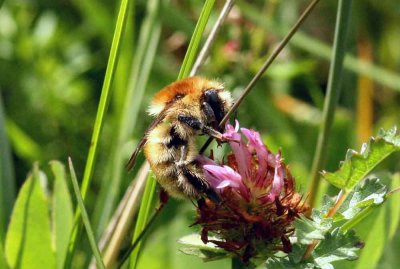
358 164
62 213
335 247
371 191
194 246
286 263
307 230
28 242
319 215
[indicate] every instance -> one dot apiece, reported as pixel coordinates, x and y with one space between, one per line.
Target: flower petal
203 160
240 150
256 144
221 177
278 181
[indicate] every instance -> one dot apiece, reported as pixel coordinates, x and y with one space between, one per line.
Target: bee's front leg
198 125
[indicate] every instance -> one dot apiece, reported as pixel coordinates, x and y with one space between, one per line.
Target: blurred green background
53 56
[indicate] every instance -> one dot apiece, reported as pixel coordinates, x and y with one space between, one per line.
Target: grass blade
147 46
103 104
195 40
85 217
332 95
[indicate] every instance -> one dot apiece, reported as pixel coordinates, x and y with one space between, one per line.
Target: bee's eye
179 96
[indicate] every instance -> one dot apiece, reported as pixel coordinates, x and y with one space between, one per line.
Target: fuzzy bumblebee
183 110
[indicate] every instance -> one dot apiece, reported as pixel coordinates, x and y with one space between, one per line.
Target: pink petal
221 177
203 160
256 144
240 150
277 183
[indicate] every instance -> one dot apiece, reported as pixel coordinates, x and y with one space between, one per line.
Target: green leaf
357 165
28 241
61 213
335 247
85 217
394 206
3 262
307 230
373 230
319 215
286 263
371 191
192 245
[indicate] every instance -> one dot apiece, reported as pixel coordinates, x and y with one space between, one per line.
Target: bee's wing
142 142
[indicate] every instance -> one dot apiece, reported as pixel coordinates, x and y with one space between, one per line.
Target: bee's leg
198 125
199 183
182 160
190 171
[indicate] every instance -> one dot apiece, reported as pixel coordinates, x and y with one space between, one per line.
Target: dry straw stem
211 37
264 67
122 219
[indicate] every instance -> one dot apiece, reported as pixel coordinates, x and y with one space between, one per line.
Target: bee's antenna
262 70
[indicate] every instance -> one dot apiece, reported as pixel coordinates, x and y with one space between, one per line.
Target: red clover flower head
258 199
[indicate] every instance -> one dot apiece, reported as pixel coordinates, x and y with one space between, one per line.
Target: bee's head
189 91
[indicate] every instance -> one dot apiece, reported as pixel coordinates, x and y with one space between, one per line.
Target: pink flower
259 201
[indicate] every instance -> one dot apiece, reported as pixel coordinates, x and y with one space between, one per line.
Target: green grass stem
85 217
332 95
99 122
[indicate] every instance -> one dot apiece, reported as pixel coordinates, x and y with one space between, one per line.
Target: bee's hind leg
194 176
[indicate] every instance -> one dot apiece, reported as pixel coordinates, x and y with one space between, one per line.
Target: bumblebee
183 110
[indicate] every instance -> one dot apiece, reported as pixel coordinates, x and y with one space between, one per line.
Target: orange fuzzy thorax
192 88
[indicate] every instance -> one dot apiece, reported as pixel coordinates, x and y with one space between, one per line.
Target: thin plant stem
122 226
316 47
140 235
332 95
143 216
99 122
264 67
211 37
85 217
